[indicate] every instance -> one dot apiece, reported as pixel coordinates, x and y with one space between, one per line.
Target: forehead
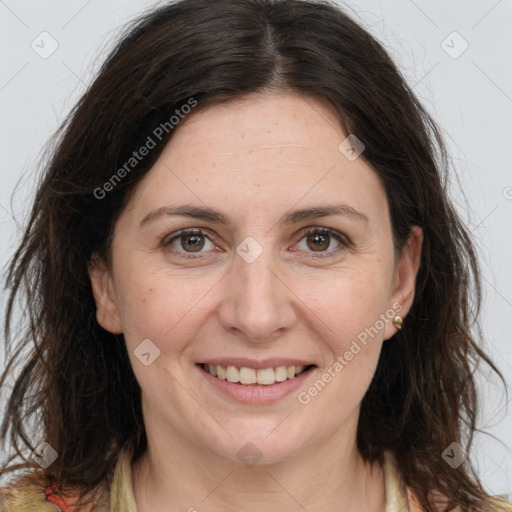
257 154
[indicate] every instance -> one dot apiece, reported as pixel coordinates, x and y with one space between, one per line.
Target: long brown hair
77 383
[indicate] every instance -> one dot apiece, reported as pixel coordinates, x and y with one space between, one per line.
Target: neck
184 477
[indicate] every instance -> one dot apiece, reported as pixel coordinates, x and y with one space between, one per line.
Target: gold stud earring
397 322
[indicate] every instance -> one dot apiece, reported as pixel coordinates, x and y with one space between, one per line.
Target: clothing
41 498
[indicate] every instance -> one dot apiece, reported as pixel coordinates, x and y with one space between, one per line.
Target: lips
240 362
256 393
251 375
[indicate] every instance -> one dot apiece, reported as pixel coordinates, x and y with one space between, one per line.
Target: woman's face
290 263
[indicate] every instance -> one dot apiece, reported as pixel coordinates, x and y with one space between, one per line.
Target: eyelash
342 239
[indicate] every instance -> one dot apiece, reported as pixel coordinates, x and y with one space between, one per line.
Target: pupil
320 242
195 242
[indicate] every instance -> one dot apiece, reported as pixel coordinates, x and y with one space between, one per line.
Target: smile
251 376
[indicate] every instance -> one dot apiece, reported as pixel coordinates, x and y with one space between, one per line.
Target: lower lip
257 393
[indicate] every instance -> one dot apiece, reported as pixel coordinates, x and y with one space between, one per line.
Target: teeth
232 374
281 373
221 373
247 375
263 376
266 376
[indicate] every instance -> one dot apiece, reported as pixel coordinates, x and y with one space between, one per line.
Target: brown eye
318 241
189 242
192 243
325 242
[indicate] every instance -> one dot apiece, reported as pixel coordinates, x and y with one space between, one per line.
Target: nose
257 302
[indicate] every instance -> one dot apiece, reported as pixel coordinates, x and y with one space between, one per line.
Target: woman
246 286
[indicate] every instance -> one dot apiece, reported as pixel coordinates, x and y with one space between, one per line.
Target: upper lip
240 362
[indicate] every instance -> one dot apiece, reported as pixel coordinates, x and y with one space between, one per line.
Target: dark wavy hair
76 384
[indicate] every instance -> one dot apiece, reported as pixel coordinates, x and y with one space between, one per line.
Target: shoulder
33 492
500 504
30 494
497 504
401 497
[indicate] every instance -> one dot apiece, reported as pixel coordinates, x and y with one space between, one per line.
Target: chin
258 442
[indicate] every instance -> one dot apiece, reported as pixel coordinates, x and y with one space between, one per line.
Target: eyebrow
195 212
293 217
315 212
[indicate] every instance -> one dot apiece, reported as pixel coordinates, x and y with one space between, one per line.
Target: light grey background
469 94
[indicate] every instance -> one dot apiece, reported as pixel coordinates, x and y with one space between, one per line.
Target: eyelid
326 231
187 231
343 240
167 241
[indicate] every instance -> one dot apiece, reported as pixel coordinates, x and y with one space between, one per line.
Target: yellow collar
28 495
122 499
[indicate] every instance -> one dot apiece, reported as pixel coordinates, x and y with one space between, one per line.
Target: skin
254 159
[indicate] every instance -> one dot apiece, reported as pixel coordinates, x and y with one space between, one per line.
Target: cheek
348 308
162 307
352 315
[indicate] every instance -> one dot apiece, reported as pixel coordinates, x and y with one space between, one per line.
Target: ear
404 280
107 312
